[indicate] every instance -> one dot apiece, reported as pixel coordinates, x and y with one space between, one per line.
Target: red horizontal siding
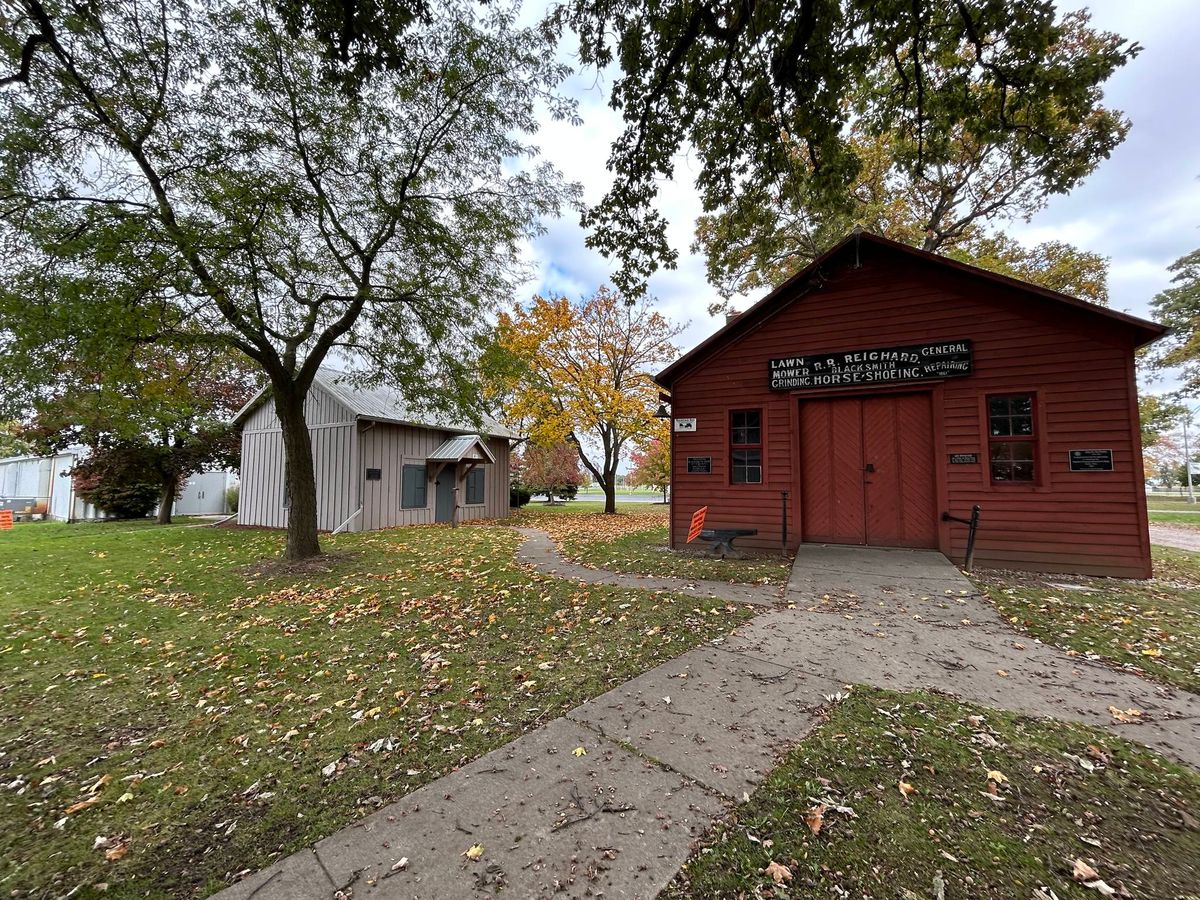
1079 366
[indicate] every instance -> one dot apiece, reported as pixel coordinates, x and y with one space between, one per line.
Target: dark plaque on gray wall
881 365
374 474
699 465
1091 461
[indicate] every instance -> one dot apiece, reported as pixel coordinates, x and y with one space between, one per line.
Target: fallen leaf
1125 715
579 751
112 854
474 851
778 873
906 788
997 776
815 818
81 805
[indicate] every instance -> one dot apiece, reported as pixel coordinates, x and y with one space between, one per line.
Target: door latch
870 467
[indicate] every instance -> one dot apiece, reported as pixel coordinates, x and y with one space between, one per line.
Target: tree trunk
610 494
170 488
301 483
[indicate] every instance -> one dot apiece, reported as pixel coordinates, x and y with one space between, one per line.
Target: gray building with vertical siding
376 465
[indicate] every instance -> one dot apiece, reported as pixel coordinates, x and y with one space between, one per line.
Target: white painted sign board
685 424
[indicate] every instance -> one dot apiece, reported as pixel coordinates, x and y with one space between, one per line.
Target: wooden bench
722 539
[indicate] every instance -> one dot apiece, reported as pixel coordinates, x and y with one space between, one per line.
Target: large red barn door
898 471
831 472
867 471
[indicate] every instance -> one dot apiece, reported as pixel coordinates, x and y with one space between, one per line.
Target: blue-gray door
444 496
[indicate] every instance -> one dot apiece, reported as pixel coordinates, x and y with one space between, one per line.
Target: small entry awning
465 447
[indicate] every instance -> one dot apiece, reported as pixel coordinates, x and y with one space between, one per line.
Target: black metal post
784 499
972 528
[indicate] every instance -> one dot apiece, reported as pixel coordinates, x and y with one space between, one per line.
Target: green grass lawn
1182 519
200 714
635 541
1171 509
1150 626
1172 501
832 821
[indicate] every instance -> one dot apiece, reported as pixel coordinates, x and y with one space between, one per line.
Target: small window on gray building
374 474
412 493
287 497
475 486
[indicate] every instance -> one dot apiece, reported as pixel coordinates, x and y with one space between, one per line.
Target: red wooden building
884 386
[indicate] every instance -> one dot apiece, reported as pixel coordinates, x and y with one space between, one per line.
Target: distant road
639 497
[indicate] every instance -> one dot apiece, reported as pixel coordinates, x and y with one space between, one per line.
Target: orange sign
5 519
697 523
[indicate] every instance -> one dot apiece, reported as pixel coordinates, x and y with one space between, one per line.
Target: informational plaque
963 459
881 365
1091 461
688 424
699 465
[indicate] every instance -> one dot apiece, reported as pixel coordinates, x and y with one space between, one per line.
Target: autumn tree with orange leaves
581 371
651 463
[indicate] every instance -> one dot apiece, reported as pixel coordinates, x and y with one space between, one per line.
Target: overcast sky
1141 208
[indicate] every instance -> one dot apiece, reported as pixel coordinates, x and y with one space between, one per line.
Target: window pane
746 427
746 467
475 486
1011 415
1012 461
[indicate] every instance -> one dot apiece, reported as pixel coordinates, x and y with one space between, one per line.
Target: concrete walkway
667 752
539 551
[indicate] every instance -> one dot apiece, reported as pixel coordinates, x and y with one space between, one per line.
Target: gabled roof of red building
1144 330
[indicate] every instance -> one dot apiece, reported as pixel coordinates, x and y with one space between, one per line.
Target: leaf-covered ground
173 713
634 541
894 795
1151 626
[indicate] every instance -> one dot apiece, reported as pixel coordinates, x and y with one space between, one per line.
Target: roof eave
1146 331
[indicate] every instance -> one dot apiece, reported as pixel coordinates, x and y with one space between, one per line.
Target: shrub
518 496
231 497
131 500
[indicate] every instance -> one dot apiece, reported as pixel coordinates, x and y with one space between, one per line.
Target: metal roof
457 448
381 404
